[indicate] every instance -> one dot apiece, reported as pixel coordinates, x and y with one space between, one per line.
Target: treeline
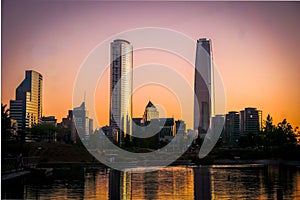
38 132
280 135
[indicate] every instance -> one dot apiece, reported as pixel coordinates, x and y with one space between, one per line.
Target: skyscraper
84 124
121 87
203 86
27 108
232 129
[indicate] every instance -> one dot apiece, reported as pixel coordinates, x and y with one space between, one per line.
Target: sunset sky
256 47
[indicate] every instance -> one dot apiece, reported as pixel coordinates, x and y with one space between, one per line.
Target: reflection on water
168 183
214 182
269 182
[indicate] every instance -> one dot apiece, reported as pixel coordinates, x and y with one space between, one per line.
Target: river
174 182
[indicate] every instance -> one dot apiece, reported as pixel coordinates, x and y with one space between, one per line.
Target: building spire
84 96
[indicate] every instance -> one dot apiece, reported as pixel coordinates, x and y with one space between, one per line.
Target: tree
280 135
285 133
252 139
5 123
268 131
64 135
44 132
269 127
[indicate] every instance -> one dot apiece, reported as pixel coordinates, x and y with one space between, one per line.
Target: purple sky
256 46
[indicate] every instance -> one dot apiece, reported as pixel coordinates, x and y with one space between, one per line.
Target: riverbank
55 155
257 162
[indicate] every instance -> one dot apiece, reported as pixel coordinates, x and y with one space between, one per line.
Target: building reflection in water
264 182
150 185
63 184
168 183
217 182
96 184
214 182
114 185
202 183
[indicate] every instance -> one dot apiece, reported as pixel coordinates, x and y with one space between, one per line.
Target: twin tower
121 86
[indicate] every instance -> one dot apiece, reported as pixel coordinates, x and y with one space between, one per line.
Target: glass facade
251 121
203 86
27 108
121 86
232 129
84 125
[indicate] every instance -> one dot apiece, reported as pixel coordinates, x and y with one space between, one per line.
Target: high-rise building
232 129
166 126
121 87
203 86
84 124
150 113
27 108
180 127
69 123
250 121
217 124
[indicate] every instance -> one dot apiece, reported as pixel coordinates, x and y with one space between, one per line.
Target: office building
121 88
232 129
166 126
84 124
150 113
180 127
250 121
49 120
68 124
27 108
217 125
162 127
203 86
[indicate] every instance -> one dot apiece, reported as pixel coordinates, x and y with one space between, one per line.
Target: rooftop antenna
84 96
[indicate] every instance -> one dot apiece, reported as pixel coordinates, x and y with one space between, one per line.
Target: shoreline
262 162
258 161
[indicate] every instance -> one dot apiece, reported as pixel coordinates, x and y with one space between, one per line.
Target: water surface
211 182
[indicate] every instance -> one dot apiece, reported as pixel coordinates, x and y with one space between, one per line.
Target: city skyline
257 70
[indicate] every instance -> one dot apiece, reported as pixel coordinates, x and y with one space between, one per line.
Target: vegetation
280 135
5 123
271 143
44 132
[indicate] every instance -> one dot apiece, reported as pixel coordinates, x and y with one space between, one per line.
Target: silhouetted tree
63 135
5 123
268 131
244 141
269 127
285 133
44 132
252 139
282 134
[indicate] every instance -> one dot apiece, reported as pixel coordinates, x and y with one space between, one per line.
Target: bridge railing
16 164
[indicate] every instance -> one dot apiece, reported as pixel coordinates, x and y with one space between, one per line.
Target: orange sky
256 48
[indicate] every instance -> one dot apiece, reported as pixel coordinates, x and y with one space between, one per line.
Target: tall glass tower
203 86
121 88
27 108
